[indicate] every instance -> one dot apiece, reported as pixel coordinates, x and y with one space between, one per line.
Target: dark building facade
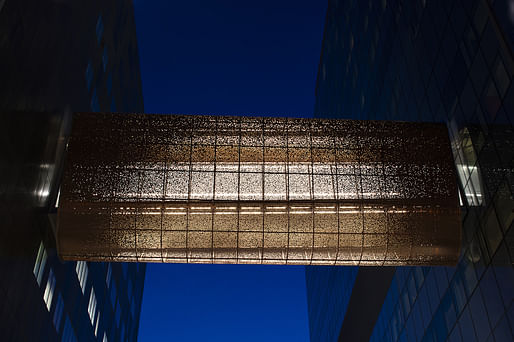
328 294
57 57
442 61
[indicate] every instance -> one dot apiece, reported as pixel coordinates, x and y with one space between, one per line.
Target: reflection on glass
467 171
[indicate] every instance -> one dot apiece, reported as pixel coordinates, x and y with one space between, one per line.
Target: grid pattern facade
59 56
448 61
258 190
328 295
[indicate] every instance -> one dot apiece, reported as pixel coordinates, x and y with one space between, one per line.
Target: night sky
227 58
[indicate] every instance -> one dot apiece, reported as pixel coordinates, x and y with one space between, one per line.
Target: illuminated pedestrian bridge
214 189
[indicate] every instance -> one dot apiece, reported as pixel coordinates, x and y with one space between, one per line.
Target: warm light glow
258 190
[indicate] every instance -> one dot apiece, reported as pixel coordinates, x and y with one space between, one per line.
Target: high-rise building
442 61
57 57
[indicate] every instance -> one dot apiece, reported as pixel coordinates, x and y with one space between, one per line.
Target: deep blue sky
227 57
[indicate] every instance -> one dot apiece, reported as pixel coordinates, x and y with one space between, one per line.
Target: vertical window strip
124 267
118 313
91 309
113 293
49 290
122 331
58 198
39 265
68 334
58 312
82 272
96 324
109 275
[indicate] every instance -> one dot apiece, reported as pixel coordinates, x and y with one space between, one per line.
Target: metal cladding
216 189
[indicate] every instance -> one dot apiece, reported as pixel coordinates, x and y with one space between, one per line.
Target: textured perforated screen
216 189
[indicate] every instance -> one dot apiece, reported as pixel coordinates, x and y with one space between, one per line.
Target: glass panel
250 186
226 186
202 184
300 187
324 187
177 185
275 186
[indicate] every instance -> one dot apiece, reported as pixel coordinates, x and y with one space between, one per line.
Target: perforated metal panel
214 189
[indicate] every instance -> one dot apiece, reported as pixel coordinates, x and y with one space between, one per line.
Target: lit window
468 173
96 324
91 308
82 271
57 199
473 189
58 312
39 265
49 290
